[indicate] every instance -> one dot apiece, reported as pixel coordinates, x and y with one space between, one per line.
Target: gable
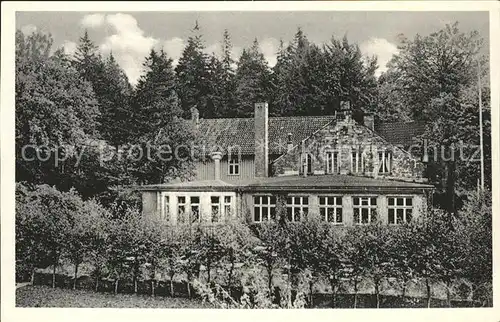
347 136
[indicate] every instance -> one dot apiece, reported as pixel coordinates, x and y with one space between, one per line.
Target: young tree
332 259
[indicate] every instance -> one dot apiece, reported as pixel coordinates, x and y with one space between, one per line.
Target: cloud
270 47
69 47
28 29
93 20
173 47
381 48
128 43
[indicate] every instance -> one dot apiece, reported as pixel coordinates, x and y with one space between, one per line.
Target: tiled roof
239 132
341 183
400 133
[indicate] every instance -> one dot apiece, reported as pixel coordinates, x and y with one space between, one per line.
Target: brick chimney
261 124
369 120
345 111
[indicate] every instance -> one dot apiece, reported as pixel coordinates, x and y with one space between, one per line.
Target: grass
44 296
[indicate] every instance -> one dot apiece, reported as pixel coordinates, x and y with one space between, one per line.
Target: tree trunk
230 276
448 294
172 285
377 293
334 293
153 287
311 301
116 286
56 260
208 272
76 276
403 293
270 280
355 294
189 285
97 277
428 287
32 281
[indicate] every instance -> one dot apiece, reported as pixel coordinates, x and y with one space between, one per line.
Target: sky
131 35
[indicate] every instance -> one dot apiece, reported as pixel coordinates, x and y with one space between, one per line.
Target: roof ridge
270 117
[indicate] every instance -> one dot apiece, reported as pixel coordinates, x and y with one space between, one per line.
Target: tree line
82 104
53 227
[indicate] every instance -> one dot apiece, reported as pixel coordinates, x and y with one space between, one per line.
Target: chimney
345 110
289 143
261 129
369 121
217 156
195 117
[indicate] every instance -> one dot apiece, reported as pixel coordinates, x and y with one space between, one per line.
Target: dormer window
332 162
233 165
357 162
384 161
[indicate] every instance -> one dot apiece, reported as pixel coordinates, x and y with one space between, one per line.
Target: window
215 201
357 162
264 208
384 161
332 162
400 210
296 208
195 209
227 206
166 208
307 159
234 165
181 208
364 209
330 209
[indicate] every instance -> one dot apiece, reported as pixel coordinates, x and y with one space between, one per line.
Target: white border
8 310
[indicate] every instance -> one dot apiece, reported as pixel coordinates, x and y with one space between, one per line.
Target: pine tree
155 100
115 104
253 80
193 76
222 82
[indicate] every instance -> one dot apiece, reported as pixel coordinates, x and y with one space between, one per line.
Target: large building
343 171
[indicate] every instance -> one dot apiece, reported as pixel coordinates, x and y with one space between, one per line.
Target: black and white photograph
251 159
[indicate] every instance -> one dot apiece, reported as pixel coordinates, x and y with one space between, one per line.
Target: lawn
44 296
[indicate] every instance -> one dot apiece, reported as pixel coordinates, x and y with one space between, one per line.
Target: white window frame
406 209
181 215
330 157
370 208
233 165
357 162
196 204
218 207
385 161
269 206
165 215
335 207
295 205
228 206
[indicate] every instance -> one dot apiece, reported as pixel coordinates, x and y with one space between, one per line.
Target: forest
70 111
